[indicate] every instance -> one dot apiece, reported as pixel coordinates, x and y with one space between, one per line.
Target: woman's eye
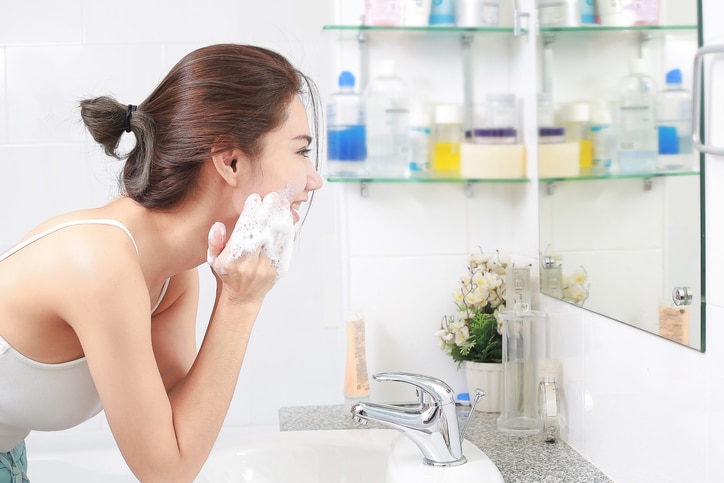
305 152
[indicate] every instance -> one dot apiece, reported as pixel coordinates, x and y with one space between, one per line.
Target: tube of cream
356 380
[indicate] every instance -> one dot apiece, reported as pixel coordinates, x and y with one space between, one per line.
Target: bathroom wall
639 407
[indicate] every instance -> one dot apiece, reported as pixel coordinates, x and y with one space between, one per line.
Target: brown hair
223 96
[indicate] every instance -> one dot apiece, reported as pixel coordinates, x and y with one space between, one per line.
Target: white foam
264 224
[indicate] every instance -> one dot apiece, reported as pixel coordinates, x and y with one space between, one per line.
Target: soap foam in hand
267 224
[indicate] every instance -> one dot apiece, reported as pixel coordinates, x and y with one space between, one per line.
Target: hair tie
129 110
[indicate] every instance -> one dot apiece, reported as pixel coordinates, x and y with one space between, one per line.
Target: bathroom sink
331 456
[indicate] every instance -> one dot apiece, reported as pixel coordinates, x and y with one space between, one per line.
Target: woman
98 307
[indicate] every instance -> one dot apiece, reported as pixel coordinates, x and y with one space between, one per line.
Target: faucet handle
438 390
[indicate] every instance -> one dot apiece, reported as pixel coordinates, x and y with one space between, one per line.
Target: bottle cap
577 112
448 114
673 76
346 79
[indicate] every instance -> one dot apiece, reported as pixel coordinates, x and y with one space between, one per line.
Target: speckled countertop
520 459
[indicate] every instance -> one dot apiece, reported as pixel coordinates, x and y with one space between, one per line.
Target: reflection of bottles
420 134
637 135
673 119
601 137
447 136
576 124
346 129
551 277
387 123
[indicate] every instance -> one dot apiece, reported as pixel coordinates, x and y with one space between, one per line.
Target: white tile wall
639 407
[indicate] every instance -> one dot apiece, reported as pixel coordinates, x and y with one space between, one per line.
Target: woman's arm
163 437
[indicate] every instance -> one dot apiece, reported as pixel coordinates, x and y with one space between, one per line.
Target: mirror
624 243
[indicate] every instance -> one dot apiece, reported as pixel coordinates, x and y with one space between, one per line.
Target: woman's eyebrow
303 137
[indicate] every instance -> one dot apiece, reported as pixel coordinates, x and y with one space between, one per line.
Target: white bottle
637 133
346 145
601 136
673 118
387 110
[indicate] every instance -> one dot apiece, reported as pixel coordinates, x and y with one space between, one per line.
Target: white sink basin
352 456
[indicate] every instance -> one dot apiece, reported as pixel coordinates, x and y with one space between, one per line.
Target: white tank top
46 397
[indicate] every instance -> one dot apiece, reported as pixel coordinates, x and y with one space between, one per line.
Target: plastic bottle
442 13
673 110
637 133
346 145
576 122
601 135
446 138
420 139
387 120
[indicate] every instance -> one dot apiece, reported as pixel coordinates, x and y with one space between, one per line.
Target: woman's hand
244 279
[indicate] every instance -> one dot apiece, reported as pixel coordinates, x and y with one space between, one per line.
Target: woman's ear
227 164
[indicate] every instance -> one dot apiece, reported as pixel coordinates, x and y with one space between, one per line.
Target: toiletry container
643 12
523 341
387 121
500 111
517 288
476 13
383 12
446 138
576 118
545 110
356 379
559 13
551 277
549 400
492 161
420 139
346 144
637 134
673 120
556 157
601 135
442 13
416 13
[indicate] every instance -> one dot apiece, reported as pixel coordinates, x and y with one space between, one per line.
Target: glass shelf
590 176
632 28
424 29
430 178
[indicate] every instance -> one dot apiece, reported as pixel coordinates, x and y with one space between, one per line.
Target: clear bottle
387 120
673 110
576 122
637 134
601 135
420 139
446 138
346 144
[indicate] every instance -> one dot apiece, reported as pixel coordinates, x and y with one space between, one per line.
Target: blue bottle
346 133
442 13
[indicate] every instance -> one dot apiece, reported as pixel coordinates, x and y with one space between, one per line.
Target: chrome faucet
431 424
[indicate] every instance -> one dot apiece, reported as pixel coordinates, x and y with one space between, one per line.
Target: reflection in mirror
622 247
620 241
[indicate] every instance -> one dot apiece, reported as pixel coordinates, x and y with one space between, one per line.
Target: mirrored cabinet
620 193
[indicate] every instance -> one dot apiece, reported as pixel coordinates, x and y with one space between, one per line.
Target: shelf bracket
550 188
364 189
648 183
468 190
518 16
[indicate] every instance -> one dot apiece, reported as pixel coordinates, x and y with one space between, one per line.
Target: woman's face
284 165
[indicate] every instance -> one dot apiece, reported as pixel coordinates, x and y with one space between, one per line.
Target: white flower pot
487 376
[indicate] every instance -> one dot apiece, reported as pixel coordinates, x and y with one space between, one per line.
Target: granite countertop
520 459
